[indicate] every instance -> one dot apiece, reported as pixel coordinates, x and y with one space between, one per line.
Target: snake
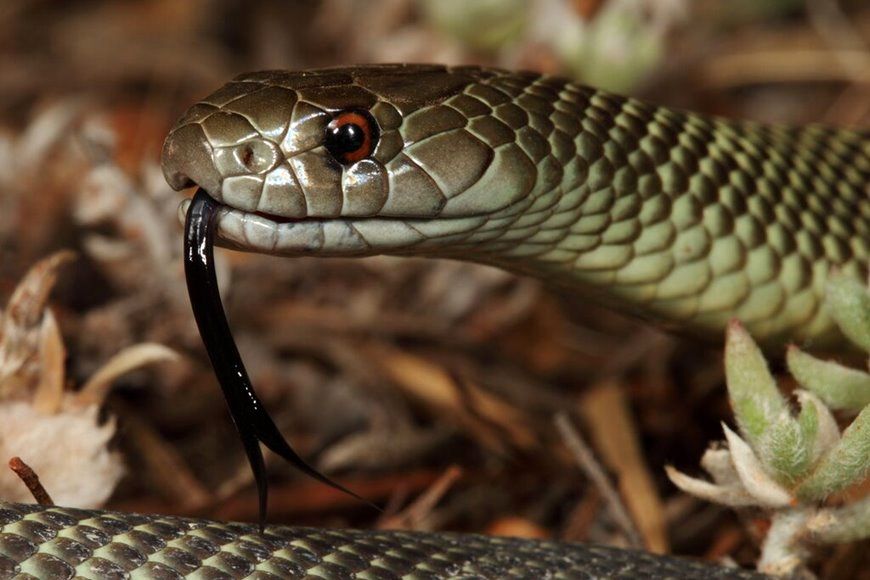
39 542
684 220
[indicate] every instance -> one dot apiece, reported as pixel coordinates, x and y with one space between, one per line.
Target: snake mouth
340 236
254 424
277 218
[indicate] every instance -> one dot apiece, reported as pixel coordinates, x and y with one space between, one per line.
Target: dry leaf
95 390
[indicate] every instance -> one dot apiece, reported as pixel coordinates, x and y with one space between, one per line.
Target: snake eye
351 136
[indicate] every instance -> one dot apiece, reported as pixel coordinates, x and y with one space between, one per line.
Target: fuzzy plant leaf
848 301
786 447
755 398
754 477
726 487
808 422
843 465
818 423
717 462
840 387
730 495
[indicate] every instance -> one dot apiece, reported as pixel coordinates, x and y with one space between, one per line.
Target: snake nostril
248 156
256 156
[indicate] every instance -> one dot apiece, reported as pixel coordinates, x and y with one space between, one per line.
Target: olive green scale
683 219
54 543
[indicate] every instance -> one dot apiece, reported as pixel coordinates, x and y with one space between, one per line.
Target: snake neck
686 220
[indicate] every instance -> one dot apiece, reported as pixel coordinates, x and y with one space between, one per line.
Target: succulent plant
791 463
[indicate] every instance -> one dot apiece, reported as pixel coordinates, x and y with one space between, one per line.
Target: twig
595 472
163 464
828 19
614 433
420 508
311 497
582 517
31 480
782 66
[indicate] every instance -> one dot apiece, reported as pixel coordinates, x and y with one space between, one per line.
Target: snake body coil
57 543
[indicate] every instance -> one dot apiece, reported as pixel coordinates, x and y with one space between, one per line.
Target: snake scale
50 543
682 219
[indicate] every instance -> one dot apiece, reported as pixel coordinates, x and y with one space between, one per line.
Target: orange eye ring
351 136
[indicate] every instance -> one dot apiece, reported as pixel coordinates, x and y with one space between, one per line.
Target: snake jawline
252 421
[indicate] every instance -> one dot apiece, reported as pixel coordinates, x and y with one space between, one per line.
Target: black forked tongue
253 422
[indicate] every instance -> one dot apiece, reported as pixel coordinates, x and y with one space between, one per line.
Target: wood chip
95 390
614 434
413 516
48 396
489 419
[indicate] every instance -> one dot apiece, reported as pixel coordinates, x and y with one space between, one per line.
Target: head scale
382 140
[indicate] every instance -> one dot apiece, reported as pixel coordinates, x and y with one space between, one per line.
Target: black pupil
345 138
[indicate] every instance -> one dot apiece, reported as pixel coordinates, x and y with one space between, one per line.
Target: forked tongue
253 422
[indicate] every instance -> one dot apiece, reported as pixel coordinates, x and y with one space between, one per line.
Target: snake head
353 161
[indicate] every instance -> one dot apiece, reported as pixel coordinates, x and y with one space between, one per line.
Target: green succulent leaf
755 398
754 476
845 464
817 423
505 20
808 421
731 495
848 301
786 448
838 386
